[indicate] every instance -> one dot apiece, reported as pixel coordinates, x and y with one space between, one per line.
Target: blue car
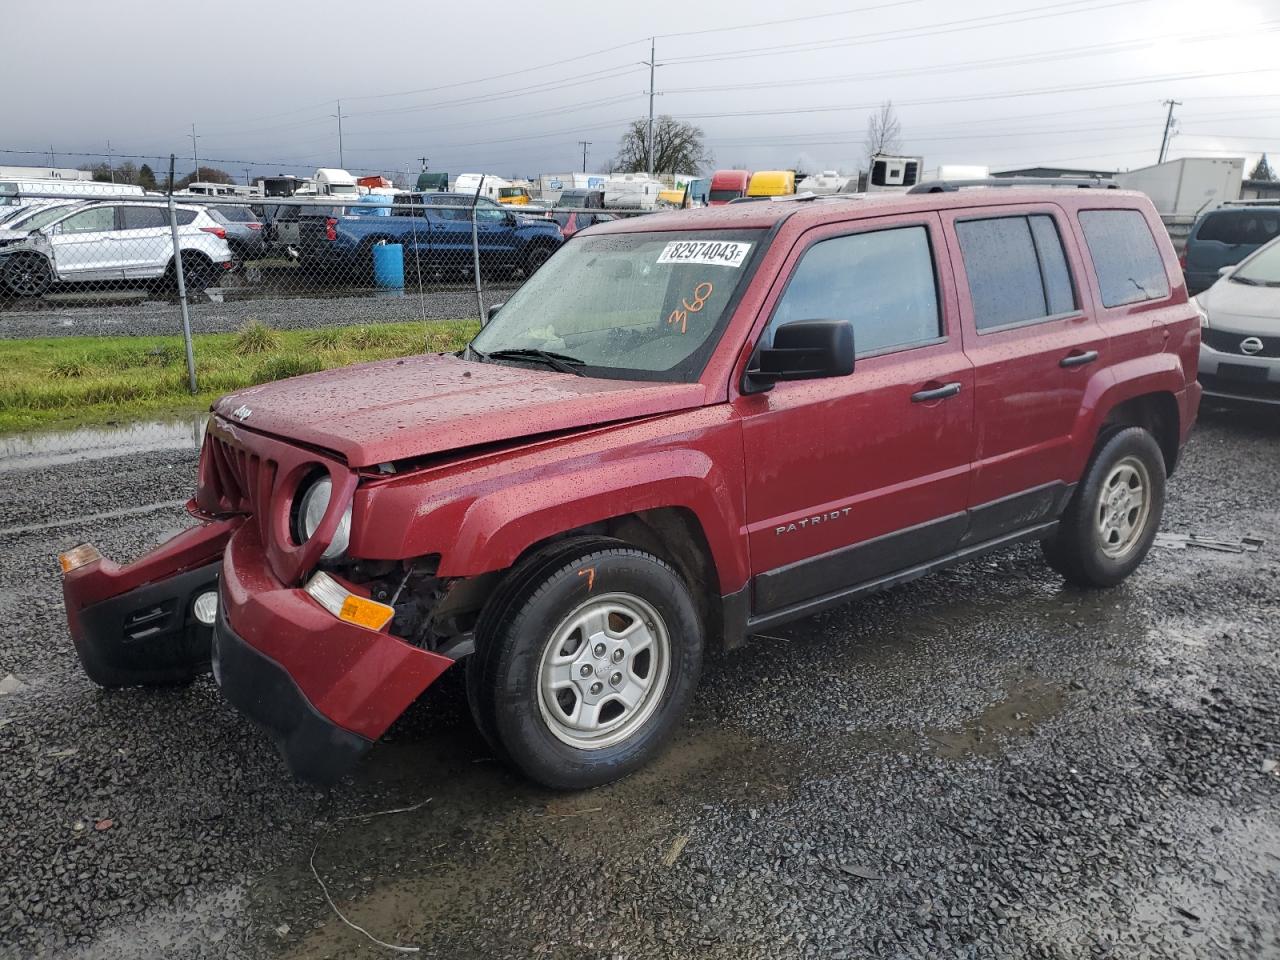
435 231
1223 237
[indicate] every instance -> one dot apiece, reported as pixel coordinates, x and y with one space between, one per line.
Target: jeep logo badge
1250 345
242 412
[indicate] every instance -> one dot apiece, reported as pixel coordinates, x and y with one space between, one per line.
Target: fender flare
1139 376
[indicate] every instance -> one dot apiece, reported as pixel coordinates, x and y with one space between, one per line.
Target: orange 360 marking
701 293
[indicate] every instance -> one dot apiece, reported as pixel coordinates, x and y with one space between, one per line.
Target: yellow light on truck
80 556
347 606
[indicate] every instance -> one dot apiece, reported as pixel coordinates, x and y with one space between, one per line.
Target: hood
394 409
1242 308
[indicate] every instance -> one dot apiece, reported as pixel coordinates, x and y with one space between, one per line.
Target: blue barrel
388 265
372 205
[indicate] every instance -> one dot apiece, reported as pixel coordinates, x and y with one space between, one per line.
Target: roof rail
948 186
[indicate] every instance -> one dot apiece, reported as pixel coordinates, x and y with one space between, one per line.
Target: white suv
105 240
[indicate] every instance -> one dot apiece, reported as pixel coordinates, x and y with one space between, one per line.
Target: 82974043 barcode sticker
715 253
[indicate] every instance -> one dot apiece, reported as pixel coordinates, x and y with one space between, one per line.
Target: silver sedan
1240 335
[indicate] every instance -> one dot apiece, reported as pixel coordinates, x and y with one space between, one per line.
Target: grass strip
55 382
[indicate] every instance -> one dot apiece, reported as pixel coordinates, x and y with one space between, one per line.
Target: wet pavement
983 763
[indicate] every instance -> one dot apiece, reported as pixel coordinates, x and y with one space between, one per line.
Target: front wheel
27 274
1114 514
586 661
534 259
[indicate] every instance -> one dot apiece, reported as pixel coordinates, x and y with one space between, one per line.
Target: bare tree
678 147
884 132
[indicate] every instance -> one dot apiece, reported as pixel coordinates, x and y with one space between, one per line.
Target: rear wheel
198 272
1112 518
27 274
586 661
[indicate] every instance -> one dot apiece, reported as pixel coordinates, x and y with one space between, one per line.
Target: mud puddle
48 449
1026 704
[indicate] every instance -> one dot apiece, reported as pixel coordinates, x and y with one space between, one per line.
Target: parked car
1240 338
243 228
1223 237
282 224
100 240
437 234
572 222
581 198
685 429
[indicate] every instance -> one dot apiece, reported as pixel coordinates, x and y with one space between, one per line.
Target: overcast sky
510 88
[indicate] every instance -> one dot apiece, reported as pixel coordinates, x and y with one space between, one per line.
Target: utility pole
194 155
341 158
584 144
1168 128
51 162
248 180
110 162
423 161
652 64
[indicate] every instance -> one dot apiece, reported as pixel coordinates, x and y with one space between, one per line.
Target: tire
1114 514
27 274
535 258
197 271
536 712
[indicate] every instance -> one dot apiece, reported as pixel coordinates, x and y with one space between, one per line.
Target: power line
910 33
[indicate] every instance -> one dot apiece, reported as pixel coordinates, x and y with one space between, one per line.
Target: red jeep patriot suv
683 429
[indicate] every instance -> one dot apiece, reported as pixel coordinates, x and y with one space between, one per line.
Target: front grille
1225 341
243 481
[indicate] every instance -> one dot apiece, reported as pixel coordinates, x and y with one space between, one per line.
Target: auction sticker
715 253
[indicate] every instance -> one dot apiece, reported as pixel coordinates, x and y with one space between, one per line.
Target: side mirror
804 350
508 217
492 311
1226 271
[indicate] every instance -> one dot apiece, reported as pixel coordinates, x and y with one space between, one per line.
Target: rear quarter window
1125 257
1240 226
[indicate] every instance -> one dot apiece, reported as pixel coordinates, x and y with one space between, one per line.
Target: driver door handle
936 393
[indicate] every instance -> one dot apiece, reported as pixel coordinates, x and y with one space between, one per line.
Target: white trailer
632 191
893 174
468 182
1188 186
827 182
551 185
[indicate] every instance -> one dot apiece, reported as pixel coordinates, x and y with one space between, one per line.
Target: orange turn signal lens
347 606
365 613
80 556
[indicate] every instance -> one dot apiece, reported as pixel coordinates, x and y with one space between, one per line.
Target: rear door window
881 281
1234 227
142 218
1125 256
1016 268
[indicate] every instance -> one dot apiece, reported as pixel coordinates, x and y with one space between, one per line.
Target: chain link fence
339 260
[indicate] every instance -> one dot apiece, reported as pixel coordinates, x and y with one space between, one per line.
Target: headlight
315 501
1204 316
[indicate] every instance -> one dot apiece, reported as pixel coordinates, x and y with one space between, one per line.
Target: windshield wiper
556 361
1248 281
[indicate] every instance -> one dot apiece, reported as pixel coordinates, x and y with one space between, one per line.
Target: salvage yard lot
982 764
57 381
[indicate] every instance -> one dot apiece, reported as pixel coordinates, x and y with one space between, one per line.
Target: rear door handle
1078 359
936 393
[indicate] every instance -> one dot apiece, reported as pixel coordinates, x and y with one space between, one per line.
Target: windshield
18 218
511 191
45 217
725 194
1262 268
645 306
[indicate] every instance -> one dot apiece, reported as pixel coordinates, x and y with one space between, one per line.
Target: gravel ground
979 764
142 317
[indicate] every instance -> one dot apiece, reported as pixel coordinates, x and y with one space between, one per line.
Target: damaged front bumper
136 624
324 689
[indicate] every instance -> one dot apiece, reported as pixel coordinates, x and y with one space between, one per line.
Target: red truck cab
727 186
682 430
